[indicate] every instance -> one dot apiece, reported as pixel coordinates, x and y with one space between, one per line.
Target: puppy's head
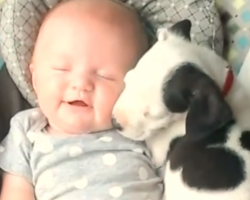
168 84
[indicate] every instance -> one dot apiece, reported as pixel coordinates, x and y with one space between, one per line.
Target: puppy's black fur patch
191 90
200 153
206 164
245 140
182 28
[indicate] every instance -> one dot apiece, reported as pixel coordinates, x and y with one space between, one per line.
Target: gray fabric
11 101
21 20
103 165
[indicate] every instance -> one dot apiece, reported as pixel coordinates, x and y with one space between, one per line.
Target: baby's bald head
96 16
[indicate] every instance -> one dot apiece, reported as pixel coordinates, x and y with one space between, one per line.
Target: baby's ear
31 68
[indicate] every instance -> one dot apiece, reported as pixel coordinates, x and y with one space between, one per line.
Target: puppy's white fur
143 115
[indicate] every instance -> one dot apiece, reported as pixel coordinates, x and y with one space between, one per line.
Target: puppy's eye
146 114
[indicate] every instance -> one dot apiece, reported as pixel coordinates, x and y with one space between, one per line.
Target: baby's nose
83 84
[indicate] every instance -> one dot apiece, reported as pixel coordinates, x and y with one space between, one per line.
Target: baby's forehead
112 13
122 22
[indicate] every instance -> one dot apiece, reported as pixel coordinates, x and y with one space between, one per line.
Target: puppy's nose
115 124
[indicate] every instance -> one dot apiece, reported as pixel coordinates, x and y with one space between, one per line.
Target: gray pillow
21 20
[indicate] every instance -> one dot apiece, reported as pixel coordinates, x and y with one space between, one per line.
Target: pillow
1 57
235 17
21 20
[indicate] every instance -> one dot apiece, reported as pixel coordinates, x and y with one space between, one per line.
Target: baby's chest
74 165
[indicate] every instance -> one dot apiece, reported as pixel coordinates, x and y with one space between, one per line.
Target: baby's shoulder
29 120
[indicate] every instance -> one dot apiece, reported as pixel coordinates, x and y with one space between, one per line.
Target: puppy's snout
116 124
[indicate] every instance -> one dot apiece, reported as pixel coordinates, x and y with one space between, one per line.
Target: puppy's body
173 101
215 168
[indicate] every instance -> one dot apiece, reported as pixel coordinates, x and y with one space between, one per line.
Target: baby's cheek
50 87
117 92
105 100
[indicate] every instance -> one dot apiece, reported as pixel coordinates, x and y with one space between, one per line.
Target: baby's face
78 71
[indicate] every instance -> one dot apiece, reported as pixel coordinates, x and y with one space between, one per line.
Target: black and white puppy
174 101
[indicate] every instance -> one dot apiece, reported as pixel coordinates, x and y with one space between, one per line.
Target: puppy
191 110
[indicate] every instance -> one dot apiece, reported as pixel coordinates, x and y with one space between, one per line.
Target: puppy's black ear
183 28
191 90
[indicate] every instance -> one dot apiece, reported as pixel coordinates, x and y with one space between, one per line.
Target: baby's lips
78 103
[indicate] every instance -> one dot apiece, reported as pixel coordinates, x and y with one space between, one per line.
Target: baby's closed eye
61 68
106 76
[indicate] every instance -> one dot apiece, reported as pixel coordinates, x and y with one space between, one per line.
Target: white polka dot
138 150
75 151
35 114
46 180
17 137
115 192
2 149
158 4
31 135
200 8
106 139
186 6
44 145
197 22
81 183
156 17
14 64
143 173
172 5
109 159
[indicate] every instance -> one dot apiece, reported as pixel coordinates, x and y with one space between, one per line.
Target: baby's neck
53 130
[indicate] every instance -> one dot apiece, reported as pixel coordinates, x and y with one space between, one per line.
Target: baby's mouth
78 103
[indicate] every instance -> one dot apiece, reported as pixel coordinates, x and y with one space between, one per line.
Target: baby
67 149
